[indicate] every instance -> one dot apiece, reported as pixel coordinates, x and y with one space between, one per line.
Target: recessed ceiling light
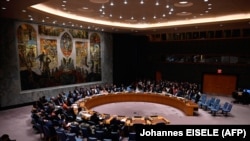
157 3
183 4
99 1
184 13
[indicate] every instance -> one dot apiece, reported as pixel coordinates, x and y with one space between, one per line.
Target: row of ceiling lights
102 9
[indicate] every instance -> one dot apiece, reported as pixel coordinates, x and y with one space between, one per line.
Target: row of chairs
99 136
83 133
214 105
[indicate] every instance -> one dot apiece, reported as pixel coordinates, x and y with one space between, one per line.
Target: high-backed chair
227 110
208 103
214 104
115 136
74 129
132 136
106 139
99 134
92 139
215 109
49 135
224 106
38 127
85 133
73 137
202 100
61 136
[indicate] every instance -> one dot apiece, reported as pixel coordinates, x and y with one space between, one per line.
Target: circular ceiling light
183 4
99 1
183 13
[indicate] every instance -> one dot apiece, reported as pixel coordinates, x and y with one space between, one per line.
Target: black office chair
85 132
132 136
73 137
38 127
61 136
92 139
107 140
115 136
99 134
75 129
49 135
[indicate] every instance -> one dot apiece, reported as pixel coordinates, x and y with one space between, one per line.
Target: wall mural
27 46
95 58
56 56
82 57
48 57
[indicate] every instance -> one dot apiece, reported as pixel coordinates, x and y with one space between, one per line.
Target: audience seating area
55 118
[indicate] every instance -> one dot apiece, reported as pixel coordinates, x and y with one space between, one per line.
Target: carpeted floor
17 122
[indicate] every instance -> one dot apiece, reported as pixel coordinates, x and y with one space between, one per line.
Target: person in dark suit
95 118
115 124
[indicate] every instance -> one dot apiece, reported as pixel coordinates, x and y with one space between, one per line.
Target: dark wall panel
144 59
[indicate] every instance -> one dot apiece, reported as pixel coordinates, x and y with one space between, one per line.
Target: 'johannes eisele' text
189 132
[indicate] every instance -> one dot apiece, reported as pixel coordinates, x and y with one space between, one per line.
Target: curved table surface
187 106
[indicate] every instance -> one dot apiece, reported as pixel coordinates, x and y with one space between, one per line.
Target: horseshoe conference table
187 106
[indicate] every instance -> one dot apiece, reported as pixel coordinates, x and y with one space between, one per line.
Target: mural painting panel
95 58
48 56
52 62
27 46
50 30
